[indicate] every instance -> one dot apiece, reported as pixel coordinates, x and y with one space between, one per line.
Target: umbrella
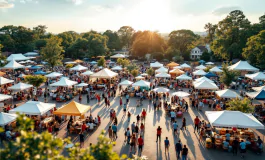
181 94
161 90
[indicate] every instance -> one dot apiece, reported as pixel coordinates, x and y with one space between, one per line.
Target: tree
113 40
231 35
255 50
135 72
2 58
35 80
68 38
244 105
210 29
40 43
125 33
39 31
132 67
228 76
182 40
150 72
52 52
172 53
79 49
102 62
206 56
123 62
148 42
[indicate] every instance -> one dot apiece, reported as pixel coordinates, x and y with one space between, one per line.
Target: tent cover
33 108
53 74
258 88
210 74
216 69
78 68
260 95
233 119
87 73
161 70
20 86
184 77
6 118
4 97
104 73
185 65
161 90
176 71
162 75
227 93
199 73
203 79
256 76
205 85
17 57
40 73
209 63
125 83
200 67
139 77
118 56
156 65
141 83
64 82
31 54
5 81
243 66
13 65
81 85
181 94
172 64
73 108
116 68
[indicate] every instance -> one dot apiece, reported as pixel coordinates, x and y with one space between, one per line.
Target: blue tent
40 73
210 74
201 61
35 67
260 95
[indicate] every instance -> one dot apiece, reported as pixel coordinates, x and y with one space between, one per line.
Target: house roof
202 48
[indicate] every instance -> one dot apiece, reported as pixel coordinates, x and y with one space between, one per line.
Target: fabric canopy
259 95
6 118
210 74
35 67
5 81
161 90
185 65
203 79
116 68
227 93
20 86
104 73
199 73
176 71
209 63
233 119
258 88
40 73
31 54
139 77
205 85
64 82
17 57
118 56
81 85
78 61
78 68
73 108
93 62
161 70
144 74
256 76
172 64
216 69
13 65
4 97
200 67
184 77
125 83
162 75
33 108
70 62
243 66
87 73
141 83
53 74
181 94
156 65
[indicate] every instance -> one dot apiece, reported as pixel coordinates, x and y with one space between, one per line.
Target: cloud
225 10
77 2
6 4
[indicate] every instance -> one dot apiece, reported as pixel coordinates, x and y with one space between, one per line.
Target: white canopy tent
5 81
33 108
63 82
104 73
31 54
156 65
81 85
205 85
118 56
203 79
17 57
184 77
78 68
185 65
199 73
125 83
87 73
200 67
233 119
144 74
227 93
258 88
162 75
216 69
20 86
5 97
93 62
161 70
141 83
181 94
161 90
70 62
209 63
6 118
256 76
116 68
243 66
139 77
53 74
13 65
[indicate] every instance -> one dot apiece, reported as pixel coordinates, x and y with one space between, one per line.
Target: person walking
120 101
183 124
196 124
128 135
140 145
133 127
158 133
143 115
178 148
133 143
167 144
184 152
175 127
114 129
129 116
242 148
235 145
87 98
81 139
110 133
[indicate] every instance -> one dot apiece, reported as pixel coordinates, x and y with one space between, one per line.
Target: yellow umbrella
172 64
73 108
78 61
177 71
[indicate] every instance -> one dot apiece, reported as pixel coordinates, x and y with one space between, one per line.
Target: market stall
216 70
184 77
156 65
7 118
227 93
176 72
13 65
161 70
202 67
199 73
256 76
78 68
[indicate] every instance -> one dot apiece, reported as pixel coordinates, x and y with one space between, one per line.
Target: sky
100 15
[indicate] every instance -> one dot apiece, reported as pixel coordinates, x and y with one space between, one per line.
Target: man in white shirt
173 116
